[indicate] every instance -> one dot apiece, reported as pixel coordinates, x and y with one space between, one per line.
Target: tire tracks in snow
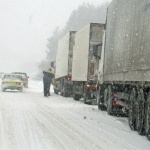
9 142
67 133
105 135
45 136
99 136
85 136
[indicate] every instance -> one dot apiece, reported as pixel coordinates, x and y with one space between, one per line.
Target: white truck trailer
86 57
125 86
63 68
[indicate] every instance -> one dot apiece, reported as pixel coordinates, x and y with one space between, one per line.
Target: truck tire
64 91
147 124
109 102
98 99
148 135
61 93
140 112
65 94
76 97
86 97
61 87
55 91
132 109
105 97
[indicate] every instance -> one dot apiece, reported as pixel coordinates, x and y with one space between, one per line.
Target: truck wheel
140 112
109 102
55 91
86 97
148 135
64 91
147 124
131 115
76 97
98 99
61 93
65 94
105 97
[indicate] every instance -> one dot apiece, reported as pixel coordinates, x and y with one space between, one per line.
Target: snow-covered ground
29 121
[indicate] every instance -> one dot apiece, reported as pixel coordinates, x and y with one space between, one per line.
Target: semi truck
124 77
63 69
85 62
77 62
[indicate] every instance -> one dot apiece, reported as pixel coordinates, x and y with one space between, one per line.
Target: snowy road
28 121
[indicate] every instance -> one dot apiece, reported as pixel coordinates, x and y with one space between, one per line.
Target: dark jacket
47 77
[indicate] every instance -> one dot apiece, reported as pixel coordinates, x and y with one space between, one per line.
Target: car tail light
26 79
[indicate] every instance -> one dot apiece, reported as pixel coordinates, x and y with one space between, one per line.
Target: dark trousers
49 89
46 88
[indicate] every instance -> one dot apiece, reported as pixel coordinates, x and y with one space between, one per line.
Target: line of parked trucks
110 63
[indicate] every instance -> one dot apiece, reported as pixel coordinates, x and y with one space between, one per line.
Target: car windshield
24 75
12 77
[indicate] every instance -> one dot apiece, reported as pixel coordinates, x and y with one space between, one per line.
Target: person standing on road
47 79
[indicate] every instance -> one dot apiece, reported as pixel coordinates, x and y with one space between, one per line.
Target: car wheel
3 89
26 85
21 89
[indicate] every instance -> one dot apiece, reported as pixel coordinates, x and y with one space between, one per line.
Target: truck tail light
68 78
113 103
96 86
88 86
115 95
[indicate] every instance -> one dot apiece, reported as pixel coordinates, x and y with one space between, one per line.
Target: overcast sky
25 26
